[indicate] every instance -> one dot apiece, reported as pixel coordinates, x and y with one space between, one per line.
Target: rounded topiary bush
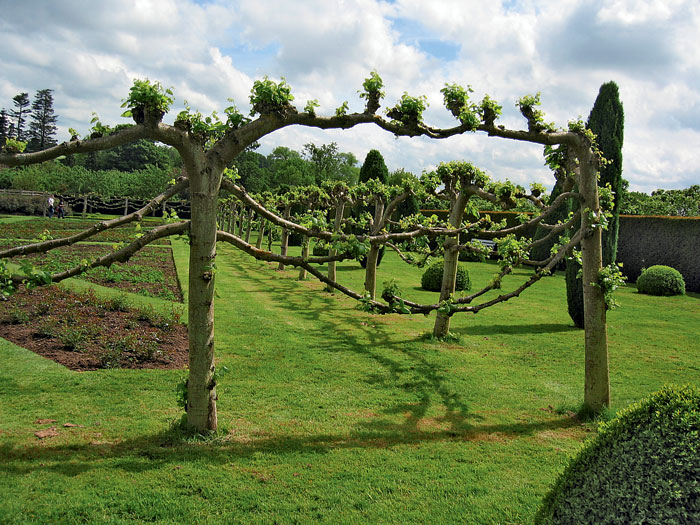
661 280
642 467
432 277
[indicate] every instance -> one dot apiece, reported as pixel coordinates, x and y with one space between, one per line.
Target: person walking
61 212
51 208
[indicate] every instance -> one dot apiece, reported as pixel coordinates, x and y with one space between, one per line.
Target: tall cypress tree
20 114
42 127
607 122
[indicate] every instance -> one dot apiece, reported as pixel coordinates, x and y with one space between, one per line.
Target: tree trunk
201 385
597 379
85 204
285 236
231 218
261 234
241 220
371 270
249 226
304 254
449 272
373 255
126 206
339 210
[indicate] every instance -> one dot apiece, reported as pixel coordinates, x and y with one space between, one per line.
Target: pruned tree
208 146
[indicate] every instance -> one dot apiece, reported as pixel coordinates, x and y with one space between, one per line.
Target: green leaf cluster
144 94
409 110
268 96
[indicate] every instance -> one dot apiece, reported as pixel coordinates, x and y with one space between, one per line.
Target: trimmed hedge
661 280
432 277
642 467
668 241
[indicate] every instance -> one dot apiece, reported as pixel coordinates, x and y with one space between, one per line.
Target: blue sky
89 53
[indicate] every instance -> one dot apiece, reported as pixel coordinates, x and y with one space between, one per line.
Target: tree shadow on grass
168 450
495 329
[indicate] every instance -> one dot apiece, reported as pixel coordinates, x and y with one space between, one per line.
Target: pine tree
4 124
20 114
374 168
606 120
42 128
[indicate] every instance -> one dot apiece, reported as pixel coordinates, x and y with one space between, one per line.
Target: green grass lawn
333 415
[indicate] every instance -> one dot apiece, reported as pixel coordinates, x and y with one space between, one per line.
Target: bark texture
597 380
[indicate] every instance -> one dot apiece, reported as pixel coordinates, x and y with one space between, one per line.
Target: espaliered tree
208 145
338 196
384 199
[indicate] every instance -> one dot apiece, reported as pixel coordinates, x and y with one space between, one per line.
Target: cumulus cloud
209 51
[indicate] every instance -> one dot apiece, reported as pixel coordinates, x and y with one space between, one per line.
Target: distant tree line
30 122
682 203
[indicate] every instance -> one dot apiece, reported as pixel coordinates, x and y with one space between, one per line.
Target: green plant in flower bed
73 338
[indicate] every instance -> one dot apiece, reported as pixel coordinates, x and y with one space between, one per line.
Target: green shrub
472 256
661 280
642 467
432 277
320 249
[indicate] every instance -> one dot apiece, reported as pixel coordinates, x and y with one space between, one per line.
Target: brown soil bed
82 332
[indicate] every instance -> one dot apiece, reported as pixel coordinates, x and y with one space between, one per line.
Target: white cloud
89 56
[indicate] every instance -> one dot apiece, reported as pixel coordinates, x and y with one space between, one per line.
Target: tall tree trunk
285 236
371 270
597 380
232 218
339 210
201 386
373 255
449 272
261 234
304 254
249 226
241 220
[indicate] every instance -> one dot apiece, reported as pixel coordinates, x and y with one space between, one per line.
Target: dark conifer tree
42 127
20 114
374 168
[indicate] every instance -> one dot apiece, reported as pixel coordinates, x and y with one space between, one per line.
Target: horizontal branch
263 255
549 210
